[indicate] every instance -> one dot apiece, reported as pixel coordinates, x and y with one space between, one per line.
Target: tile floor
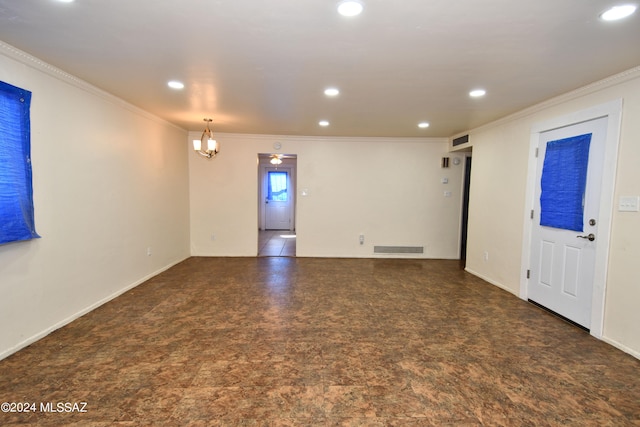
276 243
278 341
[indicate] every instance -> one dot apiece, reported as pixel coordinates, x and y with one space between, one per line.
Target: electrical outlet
629 204
485 256
361 239
149 251
213 237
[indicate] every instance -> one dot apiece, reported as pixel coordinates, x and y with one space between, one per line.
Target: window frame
17 219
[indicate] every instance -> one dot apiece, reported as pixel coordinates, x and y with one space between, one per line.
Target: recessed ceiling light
323 123
174 84
350 7
331 91
66 1
423 125
618 12
476 93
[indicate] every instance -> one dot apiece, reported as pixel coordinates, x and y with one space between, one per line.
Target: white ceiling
258 66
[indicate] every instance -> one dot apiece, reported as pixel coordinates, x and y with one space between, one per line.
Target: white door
277 192
567 199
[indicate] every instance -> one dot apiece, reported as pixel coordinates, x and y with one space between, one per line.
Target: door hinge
531 213
528 274
537 150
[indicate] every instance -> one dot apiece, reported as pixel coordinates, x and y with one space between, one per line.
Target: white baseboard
44 333
609 341
493 282
621 347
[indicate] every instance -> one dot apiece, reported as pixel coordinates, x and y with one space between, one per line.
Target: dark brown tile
321 342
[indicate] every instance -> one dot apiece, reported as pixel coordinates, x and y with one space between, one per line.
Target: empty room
319 213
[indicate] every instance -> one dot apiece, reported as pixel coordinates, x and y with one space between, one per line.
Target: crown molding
48 69
597 86
345 139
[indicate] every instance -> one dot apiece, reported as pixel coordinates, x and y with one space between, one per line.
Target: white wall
497 205
109 181
388 189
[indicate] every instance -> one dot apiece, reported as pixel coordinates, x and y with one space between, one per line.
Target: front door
567 200
277 201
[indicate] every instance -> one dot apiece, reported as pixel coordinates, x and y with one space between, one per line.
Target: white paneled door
277 191
567 201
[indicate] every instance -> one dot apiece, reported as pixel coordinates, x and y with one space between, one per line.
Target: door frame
464 223
613 112
289 167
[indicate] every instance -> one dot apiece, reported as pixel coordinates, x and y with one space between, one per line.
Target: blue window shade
564 178
16 190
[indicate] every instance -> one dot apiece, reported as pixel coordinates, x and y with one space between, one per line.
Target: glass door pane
277 190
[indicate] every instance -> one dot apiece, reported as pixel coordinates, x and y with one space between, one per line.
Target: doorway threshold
548 310
276 243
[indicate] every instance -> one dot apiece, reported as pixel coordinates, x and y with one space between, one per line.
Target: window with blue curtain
277 184
16 189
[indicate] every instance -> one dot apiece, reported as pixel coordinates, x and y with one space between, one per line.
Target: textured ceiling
259 66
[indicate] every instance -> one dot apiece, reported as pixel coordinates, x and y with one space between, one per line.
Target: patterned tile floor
276 243
321 342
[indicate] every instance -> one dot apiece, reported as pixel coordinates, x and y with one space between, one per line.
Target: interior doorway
465 211
277 204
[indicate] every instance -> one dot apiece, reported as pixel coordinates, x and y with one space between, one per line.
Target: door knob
591 237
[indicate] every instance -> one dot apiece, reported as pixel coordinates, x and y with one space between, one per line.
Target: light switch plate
629 204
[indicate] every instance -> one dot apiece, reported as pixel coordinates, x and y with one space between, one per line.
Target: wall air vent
461 140
398 249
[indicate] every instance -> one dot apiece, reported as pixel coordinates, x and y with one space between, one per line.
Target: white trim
39 65
622 347
527 229
84 311
488 280
608 82
344 139
613 111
